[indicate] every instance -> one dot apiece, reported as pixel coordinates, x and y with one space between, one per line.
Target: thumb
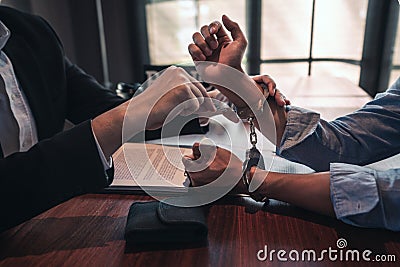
233 27
203 155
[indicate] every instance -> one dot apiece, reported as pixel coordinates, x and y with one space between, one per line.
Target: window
286 32
171 24
286 29
338 33
294 37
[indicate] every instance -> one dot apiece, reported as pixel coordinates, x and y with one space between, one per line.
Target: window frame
379 40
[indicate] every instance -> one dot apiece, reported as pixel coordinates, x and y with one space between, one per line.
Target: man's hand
224 164
268 87
215 45
173 93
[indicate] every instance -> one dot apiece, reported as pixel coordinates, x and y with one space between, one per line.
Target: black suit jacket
62 164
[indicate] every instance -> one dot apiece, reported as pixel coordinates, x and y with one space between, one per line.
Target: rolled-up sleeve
365 136
301 123
365 197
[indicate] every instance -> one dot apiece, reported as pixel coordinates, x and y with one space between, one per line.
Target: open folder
143 167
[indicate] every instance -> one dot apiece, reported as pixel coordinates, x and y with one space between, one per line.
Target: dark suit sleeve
52 171
86 97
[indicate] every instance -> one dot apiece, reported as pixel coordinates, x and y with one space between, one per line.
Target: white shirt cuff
107 164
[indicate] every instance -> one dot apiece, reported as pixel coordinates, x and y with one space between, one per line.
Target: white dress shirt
17 125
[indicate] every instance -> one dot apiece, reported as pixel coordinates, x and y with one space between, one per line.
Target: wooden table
89 231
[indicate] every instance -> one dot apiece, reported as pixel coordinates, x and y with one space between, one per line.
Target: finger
264 90
189 157
279 98
203 155
268 81
196 150
196 53
202 44
217 29
209 38
257 78
265 78
283 97
205 151
235 30
221 108
191 101
216 97
197 100
270 84
206 104
216 94
199 91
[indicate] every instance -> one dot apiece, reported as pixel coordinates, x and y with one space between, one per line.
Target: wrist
239 68
279 115
232 81
255 176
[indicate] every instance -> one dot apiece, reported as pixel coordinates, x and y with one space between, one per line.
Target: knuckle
196 53
185 91
210 38
203 45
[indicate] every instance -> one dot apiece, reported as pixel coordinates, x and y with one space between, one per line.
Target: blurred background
118 40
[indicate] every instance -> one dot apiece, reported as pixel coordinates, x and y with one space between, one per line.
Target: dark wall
76 23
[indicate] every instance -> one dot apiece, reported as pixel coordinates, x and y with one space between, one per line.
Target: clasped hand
175 93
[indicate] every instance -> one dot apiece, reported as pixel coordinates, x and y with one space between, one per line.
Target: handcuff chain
253 135
253 158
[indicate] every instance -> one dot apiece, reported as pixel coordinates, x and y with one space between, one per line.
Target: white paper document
141 166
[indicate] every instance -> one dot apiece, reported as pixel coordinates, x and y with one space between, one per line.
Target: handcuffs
253 158
253 155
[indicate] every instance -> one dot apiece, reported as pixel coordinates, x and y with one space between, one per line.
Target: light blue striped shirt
360 195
